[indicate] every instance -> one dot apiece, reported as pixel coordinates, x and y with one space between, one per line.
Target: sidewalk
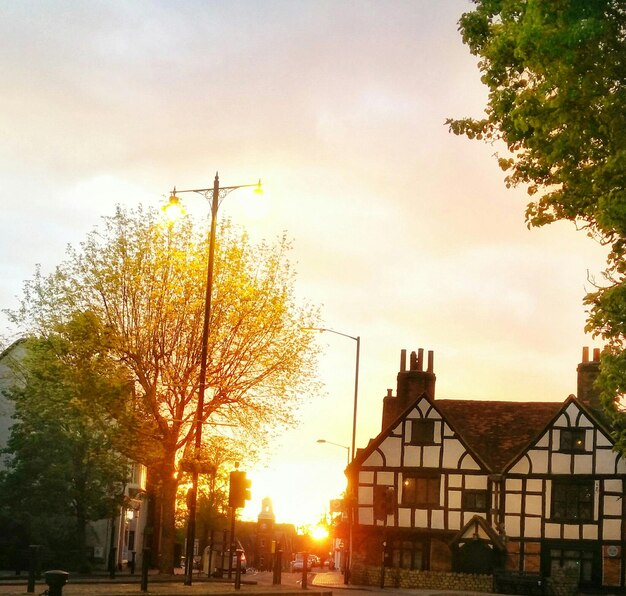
169 586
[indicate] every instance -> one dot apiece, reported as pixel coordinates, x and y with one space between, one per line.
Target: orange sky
404 233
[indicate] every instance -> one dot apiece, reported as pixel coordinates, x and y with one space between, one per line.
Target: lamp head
258 189
173 209
321 440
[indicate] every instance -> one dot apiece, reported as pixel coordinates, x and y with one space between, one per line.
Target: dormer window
422 432
572 440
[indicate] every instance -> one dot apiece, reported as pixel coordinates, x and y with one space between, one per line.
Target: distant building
481 486
111 541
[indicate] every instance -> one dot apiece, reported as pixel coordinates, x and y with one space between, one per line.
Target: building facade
478 486
112 542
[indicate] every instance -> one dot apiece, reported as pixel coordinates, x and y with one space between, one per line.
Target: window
572 558
421 490
422 432
572 439
572 501
475 500
408 555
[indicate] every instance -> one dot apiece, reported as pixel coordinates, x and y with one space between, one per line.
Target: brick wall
425 580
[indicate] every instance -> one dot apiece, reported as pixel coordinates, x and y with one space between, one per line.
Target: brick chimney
587 374
411 384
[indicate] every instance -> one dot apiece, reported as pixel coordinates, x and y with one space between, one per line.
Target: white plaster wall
513 504
513 484
366 477
611 529
454 520
431 456
452 451
571 532
412 455
455 480
590 532
421 518
385 478
512 525
553 530
583 464
532 527
366 495
454 499
522 466
612 505
561 463
539 461
605 461
366 516
437 519
613 485
392 448
534 504
469 463
374 459
404 517
476 482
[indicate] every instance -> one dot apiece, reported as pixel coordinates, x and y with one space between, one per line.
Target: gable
398 447
573 442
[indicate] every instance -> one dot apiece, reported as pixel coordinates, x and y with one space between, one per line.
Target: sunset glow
404 234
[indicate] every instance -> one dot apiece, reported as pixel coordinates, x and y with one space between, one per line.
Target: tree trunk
161 533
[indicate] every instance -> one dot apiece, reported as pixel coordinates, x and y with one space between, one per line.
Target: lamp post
357 339
336 445
215 195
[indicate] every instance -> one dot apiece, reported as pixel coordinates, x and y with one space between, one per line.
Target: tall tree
64 470
556 74
144 280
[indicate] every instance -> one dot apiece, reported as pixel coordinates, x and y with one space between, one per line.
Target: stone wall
426 580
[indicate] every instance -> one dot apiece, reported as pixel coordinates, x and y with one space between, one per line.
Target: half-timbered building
477 486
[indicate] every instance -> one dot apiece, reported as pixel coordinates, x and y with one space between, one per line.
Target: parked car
298 563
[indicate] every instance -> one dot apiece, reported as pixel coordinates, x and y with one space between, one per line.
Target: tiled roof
497 431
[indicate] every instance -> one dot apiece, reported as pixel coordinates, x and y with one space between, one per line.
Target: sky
404 234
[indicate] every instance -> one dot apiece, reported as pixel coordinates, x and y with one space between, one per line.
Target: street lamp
215 195
357 339
336 445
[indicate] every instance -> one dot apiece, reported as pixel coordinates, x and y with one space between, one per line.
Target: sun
319 533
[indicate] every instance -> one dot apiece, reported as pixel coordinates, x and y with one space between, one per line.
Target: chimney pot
431 360
585 354
596 354
413 363
402 360
420 359
389 392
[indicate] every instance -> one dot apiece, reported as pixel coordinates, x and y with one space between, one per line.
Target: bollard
278 564
132 562
55 580
112 557
33 564
145 566
238 552
305 570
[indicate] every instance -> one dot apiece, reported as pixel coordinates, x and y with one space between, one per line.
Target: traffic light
247 485
239 489
390 500
384 502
